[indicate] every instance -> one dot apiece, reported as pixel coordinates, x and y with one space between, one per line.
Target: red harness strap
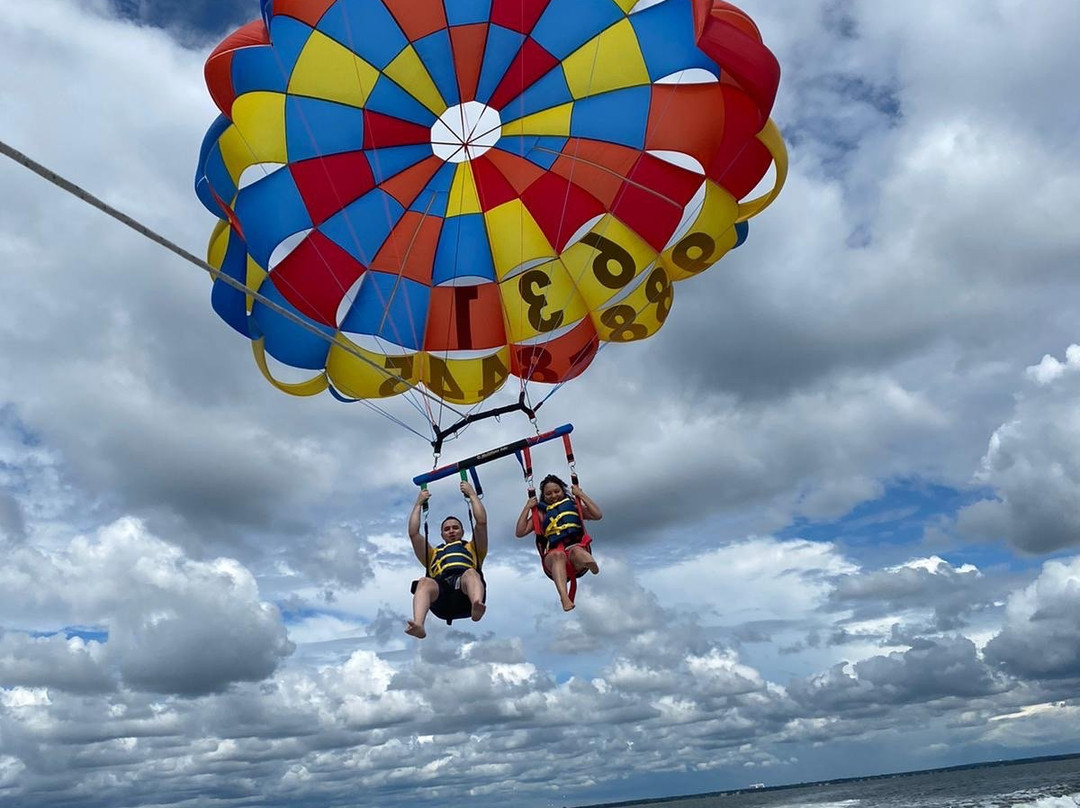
572 574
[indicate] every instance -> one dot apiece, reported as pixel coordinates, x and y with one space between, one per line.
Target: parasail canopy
446 193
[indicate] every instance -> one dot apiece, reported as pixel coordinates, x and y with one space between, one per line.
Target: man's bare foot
415 629
567 605
592 566
478 610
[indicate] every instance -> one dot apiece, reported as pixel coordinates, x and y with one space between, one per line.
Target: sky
841 531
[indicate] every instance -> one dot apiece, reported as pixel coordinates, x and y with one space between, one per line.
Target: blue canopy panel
550 91
390 307
435 197
566 25
340 128
438 57
464 250
668 42
289 35
361 227
287 341
389 99
502 46
255 69
230 303
466 12
366 28
620 116
212 175
270 68
391 161
270 211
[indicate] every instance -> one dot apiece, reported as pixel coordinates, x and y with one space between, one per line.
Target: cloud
72 665
932 584
174 625
1033 466
341 557
12 522
929 670
1041 634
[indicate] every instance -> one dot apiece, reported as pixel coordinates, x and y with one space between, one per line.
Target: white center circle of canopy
465 131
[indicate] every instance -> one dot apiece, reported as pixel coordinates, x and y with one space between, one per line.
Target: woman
562 531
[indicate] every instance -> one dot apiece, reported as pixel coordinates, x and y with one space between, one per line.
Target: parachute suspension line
372 406
394 419
85 196
559 385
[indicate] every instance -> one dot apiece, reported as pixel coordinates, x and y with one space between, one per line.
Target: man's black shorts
452 603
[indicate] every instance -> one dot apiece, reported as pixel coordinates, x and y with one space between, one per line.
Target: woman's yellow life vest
561 521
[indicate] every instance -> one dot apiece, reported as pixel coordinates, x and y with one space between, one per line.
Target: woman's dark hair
551 478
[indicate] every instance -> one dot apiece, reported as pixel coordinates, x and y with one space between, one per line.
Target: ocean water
1042 784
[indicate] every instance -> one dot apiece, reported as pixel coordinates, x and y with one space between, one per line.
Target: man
454 585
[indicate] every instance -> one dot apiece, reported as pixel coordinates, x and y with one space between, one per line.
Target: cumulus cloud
70 664
1041 634
931 669
338 557
1033 465
12 522
920 585
174 625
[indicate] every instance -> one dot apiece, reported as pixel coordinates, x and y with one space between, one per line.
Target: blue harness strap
464 474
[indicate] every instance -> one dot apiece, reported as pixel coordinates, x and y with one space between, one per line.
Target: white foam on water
1069 801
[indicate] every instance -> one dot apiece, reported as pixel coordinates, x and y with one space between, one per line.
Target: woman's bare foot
585 559
478 610
415 629
567 605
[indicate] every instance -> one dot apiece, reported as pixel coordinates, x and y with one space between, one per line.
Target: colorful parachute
448 192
